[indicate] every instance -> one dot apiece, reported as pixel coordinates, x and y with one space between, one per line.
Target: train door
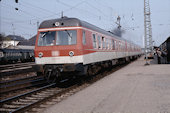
86 39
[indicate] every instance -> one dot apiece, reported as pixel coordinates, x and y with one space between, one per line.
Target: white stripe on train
85 59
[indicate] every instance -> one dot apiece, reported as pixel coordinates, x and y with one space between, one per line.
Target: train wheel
51 73
89 71
92 70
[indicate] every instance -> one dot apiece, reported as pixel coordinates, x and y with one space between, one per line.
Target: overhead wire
37 7
71 7
116 15
75 6
68 9
20 26
51 13
25 12
95 8
29 26
79 9
106 17
79 4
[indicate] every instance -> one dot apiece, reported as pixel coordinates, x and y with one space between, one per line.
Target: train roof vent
64 17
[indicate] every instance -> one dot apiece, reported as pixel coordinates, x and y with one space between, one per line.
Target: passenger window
94 41
110 44
113 44
84 38
99 42
119 46
107 43
103 42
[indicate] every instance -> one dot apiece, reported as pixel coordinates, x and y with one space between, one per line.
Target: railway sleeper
27 100
20 103
40 96
7 110
13 106
44 94
31 98
47 92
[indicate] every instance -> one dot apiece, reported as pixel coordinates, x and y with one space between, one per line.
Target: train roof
167 40
68 22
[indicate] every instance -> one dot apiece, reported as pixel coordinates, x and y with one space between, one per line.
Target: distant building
17 42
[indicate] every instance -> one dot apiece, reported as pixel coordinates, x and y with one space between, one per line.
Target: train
8 56
70 45
163 54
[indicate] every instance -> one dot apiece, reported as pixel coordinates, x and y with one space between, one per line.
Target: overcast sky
102 13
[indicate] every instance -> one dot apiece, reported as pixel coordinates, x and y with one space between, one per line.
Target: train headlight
40 54
71 53
57 24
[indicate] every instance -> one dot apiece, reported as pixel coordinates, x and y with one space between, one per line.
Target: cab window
46 38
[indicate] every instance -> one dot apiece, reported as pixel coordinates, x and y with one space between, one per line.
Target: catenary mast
147 30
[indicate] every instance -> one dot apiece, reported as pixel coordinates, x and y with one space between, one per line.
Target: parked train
72 45
8 56
164 54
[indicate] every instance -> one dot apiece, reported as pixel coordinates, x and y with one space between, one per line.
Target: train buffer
136 88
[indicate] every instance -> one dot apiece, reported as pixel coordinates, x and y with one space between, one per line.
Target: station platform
133 89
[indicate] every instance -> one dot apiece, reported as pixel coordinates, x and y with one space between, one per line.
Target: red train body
70 44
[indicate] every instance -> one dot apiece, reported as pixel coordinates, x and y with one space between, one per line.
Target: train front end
58 47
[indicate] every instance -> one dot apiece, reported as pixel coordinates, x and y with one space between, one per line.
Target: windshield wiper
68 34
44 34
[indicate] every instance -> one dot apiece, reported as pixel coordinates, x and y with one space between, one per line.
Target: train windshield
66 37
46 38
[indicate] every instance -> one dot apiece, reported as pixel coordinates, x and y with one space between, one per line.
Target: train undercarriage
56 72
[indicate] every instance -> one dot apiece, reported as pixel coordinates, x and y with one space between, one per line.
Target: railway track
37 100
23 102
11 69
13 87
18 65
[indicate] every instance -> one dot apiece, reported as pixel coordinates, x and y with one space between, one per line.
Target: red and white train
72 45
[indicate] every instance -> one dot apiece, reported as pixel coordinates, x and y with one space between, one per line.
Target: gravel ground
133 89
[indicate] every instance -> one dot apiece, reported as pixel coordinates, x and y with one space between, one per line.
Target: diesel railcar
72 45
